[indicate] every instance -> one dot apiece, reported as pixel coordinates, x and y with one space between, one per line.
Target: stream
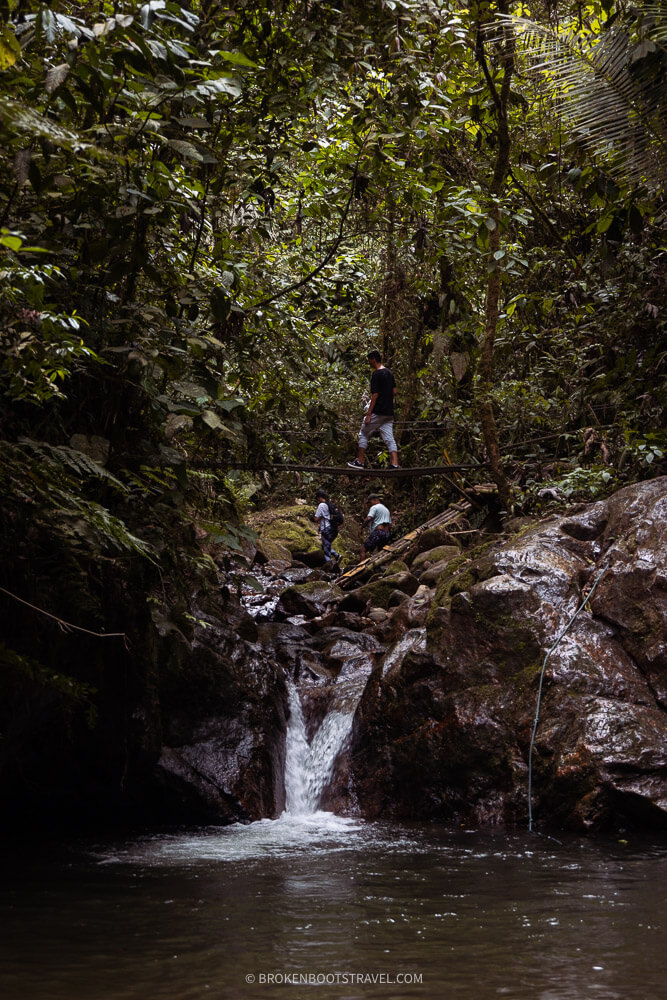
314 905
359 909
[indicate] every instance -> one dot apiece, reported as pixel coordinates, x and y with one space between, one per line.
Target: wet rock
429 539
339 619
410 614
396 597
378 592
296 573
309 599
331 637
352 622
441 554
444 729
270 551
432 574
632 596
356 600
223 729
276 567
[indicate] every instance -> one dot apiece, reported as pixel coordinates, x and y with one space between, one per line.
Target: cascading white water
309 766
296 755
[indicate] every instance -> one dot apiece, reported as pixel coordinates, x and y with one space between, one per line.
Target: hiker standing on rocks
379 416
379 520
326 523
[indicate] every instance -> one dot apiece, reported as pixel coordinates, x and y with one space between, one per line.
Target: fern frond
49 479
77 461
18 117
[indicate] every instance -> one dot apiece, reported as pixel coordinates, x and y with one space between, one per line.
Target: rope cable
539 692
66 626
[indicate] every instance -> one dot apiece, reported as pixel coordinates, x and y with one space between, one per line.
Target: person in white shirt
379 521
328 531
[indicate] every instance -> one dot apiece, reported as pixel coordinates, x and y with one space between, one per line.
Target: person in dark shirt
379 416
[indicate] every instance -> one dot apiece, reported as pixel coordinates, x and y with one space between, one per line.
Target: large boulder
293 529
311 598
223 730
447 732
440 555
379 591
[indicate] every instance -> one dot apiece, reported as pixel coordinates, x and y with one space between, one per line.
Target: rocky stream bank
431 663
447 646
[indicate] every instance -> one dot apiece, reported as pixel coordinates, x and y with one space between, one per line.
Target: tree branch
323 263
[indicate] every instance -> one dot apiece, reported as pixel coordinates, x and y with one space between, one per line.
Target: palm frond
610 90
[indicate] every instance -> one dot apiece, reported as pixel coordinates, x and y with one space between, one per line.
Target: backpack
335 514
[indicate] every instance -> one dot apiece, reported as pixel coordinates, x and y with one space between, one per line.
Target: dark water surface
415 911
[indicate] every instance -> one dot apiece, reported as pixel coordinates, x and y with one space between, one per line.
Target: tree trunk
493 288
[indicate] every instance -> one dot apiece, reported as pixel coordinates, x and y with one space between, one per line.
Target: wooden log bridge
453 516
467 492
347 470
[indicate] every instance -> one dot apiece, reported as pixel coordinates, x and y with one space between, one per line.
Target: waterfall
297 798
309 766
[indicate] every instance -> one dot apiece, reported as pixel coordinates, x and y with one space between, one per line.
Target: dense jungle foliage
209 213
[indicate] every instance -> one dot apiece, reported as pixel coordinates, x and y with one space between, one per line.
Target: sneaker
356 464
394 466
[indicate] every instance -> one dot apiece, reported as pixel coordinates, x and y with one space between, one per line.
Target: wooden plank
450 516
346 470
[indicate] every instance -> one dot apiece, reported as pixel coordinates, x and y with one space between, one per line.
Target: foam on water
308 769
283 837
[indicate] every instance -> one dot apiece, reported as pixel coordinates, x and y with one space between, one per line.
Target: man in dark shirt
380 413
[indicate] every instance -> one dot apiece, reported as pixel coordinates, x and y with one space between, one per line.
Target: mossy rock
396 597
440 554
431 538
378 592
464 572
397 566
432 574
458 575
404 581
292 529
273 551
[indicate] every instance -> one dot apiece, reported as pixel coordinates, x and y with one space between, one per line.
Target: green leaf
55 76
12 242
186 149
10 49
212 420
237 59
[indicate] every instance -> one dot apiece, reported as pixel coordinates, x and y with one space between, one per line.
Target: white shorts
379 424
